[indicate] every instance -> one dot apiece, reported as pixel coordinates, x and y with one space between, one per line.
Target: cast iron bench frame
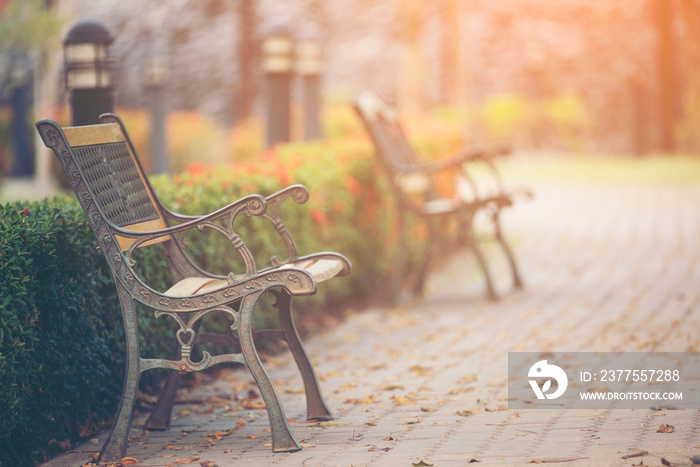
412 181
125 213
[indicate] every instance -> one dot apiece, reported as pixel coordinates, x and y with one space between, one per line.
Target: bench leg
400 265
471 243
114 448
159 419
517 281
419 287
282 438
316 408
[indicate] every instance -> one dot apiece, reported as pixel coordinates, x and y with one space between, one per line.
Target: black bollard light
308 67
21 87
156 79
87 71
277 65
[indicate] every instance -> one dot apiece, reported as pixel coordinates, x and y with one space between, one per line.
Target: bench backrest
392 146
104 159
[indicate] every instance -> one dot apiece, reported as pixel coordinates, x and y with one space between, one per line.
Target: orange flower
319 217
197 169
283 177
354 186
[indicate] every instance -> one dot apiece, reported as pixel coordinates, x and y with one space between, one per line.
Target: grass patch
664 170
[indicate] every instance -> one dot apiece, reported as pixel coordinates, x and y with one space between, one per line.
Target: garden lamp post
156 79
277 65
87 71
20 86
308 66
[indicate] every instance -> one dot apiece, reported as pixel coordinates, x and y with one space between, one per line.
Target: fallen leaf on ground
422 463
392 387
253 405
207 464
186 461
635 454
466 413
249 436
460 389
427 409
666 428
128 461
364 400
374 448
328 423
402 400
389 438
641 464
171 447
468 379
411 421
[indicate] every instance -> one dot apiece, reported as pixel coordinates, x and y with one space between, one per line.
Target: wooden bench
125 214
414 183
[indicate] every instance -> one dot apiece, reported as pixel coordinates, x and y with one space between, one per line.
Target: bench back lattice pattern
119 191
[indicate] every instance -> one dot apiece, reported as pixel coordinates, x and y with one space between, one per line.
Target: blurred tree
452 76
690 53
663 16
247 53
412 73
27 25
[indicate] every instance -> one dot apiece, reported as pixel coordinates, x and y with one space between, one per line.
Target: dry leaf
327 423
389 438
666 428
460 389
427 409
170 446
422 463
374 448
249 436
253 405
186 461
402 400
392 387
128 461
635 454
207 464
411 421
364 400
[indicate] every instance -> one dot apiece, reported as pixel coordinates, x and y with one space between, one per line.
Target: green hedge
60 333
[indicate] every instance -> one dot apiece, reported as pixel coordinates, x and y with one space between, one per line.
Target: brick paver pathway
607 269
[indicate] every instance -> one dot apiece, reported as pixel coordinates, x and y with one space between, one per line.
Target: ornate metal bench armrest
471 154
254 205
300 195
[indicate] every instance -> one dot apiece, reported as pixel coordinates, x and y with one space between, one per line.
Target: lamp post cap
88 31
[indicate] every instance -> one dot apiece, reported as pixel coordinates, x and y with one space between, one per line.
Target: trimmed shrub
60 334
